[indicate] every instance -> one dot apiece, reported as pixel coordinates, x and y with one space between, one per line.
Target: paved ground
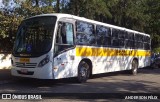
147 81
5 76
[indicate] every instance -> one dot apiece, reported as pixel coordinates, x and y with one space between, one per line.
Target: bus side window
121 36
146 43
69 33
65 34
85 33
103 35
64 37
115 42
139 41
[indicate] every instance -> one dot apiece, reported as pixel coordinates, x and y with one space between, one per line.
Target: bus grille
25 65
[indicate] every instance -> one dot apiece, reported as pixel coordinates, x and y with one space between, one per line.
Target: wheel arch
89 62
135 58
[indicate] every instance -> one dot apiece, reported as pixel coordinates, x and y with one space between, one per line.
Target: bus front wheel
134 67
83 72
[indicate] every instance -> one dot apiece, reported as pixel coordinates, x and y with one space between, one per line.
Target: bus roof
61 15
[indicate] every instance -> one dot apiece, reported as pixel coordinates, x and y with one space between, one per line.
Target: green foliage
130 14
140 15
10 18
26 9
156 50
155 40
87 8
154 13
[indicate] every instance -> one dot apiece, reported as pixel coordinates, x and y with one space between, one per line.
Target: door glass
64 37
69 33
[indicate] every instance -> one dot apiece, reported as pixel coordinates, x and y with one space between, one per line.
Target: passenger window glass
121 34
115 42
146 46
126 35
121 42
103 35
139 39
85 33
146 43
118 38
148 39
131 36
114 33
69 33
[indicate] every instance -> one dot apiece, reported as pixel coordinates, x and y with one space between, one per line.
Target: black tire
154 65
83 72
134 67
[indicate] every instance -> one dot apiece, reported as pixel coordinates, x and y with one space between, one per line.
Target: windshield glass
34 36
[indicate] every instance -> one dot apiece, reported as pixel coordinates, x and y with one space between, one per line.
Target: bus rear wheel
83 72
134 67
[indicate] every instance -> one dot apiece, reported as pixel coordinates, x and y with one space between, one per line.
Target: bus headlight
44 61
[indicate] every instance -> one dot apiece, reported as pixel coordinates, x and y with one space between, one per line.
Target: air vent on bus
25 65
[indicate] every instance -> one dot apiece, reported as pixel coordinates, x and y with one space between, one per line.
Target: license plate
25 60
24 70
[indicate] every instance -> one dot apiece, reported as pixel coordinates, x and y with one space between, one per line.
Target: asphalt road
146 81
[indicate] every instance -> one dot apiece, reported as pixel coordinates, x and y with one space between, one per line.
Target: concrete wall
5 61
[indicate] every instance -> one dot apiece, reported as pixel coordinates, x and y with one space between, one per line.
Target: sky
0 3
11 4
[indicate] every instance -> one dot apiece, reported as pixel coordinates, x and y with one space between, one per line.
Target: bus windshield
34 36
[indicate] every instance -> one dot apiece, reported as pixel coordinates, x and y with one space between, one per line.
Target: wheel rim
83 72
134 67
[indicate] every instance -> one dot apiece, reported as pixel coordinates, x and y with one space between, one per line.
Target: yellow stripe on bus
87 51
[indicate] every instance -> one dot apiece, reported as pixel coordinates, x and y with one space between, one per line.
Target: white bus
54 46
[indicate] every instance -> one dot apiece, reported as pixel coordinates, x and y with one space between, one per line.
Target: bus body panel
106 59
20 68
65 65
116 65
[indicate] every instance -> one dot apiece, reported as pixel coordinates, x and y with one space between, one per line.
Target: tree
130 14
57 7
154 23
11 17
87 8
8 23
140 15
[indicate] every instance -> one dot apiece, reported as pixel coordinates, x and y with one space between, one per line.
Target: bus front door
64 51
